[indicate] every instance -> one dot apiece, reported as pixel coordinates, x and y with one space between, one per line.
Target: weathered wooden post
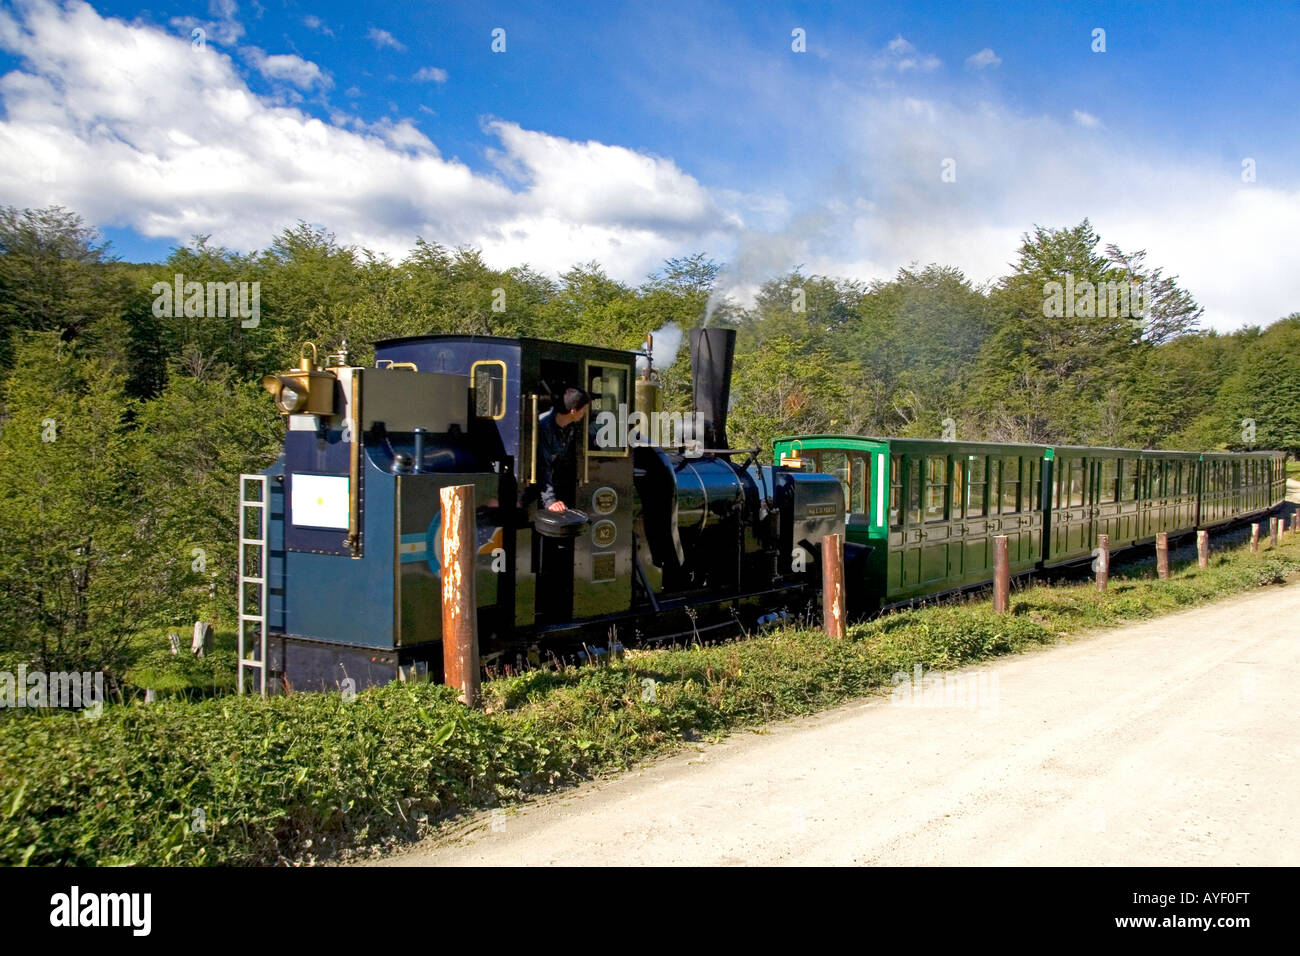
460 660
1272 531
833 585
1254 537
1202 549
201 642
1001 574
1162 555
1103 561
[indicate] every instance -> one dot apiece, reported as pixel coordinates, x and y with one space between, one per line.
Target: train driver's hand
557 506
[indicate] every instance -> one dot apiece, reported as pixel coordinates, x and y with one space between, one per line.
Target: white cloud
224 29
285 66
606 186
901 55
315 23
1085 119
1227 241
203 154
382 38
432 74
984 58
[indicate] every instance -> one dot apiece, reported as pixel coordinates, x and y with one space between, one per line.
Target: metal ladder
258 546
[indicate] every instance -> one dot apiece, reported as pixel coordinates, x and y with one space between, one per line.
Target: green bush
183 673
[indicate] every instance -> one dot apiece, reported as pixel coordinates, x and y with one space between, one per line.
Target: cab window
608 387
489 383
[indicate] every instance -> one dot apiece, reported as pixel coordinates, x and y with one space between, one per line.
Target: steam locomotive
340 570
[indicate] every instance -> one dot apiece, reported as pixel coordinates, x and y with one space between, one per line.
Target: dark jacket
558 468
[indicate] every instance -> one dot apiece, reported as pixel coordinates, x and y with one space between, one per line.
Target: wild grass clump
301 778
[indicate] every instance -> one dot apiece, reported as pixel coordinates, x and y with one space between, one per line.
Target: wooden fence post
833 585
1001 574
1103 561
1162 555
1272 531
460 659
1203 549
1254 537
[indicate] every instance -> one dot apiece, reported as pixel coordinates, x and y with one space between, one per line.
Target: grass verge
301 778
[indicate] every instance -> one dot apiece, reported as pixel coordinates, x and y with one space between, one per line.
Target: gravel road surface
1173 742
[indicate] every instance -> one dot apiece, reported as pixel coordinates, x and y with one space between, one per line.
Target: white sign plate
319 501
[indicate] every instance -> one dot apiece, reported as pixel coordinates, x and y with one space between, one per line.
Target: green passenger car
928 510
1123 493
922 513
1237 485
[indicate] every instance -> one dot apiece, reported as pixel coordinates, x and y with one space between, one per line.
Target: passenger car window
1109 476
1010 485
936 487
859 485
914 478
836 463
895 491
976 485
1076 483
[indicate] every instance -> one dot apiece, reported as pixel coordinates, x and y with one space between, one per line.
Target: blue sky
629 132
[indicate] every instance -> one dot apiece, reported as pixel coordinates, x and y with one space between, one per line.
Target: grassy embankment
293 779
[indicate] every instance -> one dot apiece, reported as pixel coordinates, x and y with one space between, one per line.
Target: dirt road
1173 743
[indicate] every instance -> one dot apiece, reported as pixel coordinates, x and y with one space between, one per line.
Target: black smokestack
712 352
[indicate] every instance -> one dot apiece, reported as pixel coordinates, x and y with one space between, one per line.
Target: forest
125 419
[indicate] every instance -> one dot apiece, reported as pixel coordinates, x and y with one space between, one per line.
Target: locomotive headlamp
291 399
290 396
304 390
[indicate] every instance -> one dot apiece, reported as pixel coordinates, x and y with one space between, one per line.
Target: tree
1073 334
68 541
915 339
191 444
1256 406
783 389
53 276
